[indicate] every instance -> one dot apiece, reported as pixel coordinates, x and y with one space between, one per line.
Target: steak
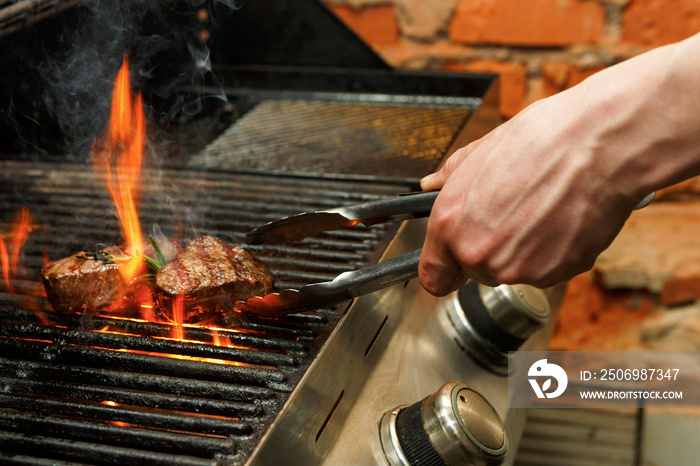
207 276
82 282
91 282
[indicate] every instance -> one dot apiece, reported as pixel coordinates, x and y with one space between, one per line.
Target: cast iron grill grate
100 389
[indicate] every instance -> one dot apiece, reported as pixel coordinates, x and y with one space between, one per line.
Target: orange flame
19 235
114 403
123 149
9 256
218 339
147 312
9 261
5 262
178 317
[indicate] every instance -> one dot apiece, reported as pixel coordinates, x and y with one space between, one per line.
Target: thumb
436 180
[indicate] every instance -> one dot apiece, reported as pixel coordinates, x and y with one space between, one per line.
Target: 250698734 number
638 374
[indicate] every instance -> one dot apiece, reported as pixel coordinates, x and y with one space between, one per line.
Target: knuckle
457 157
442 220
475 254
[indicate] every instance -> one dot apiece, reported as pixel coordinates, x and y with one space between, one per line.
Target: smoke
75 64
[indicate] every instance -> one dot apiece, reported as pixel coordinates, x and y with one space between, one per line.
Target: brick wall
538 47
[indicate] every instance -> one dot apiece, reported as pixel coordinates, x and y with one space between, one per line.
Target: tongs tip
296 227
272 304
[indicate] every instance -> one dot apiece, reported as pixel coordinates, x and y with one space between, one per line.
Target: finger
438 271
436 180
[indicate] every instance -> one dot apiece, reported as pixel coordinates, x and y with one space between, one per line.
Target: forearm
646 118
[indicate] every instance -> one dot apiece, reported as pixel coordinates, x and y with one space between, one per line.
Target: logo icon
542 368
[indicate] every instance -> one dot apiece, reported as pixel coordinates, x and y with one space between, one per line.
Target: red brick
657 247
652 23
512 78
558 76
592 318
680 290
527 23
376 25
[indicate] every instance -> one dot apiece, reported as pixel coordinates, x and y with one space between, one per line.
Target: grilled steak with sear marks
82 282
210 275
90 282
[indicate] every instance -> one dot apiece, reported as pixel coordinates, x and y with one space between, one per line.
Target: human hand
535 201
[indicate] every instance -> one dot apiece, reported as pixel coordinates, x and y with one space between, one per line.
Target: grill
113 390
307 117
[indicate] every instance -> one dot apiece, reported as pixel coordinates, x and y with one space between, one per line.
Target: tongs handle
403 207
379 276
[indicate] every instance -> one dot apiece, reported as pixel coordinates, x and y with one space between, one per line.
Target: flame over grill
122 147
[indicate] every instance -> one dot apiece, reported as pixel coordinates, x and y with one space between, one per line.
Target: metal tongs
347 285
351 284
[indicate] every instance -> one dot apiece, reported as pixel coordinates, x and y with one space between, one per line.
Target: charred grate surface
111 390
318 136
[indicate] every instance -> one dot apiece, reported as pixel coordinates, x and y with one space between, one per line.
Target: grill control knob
490 322
454 426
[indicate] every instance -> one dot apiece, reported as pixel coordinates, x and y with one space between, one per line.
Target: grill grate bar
271 335
131 361
131 397
150 417
119 341
126 436
253 203
16 14
221 208
275 335
236 229
271 192
24 460
134 380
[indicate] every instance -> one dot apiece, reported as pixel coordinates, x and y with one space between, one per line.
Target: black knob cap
483 322
490 322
